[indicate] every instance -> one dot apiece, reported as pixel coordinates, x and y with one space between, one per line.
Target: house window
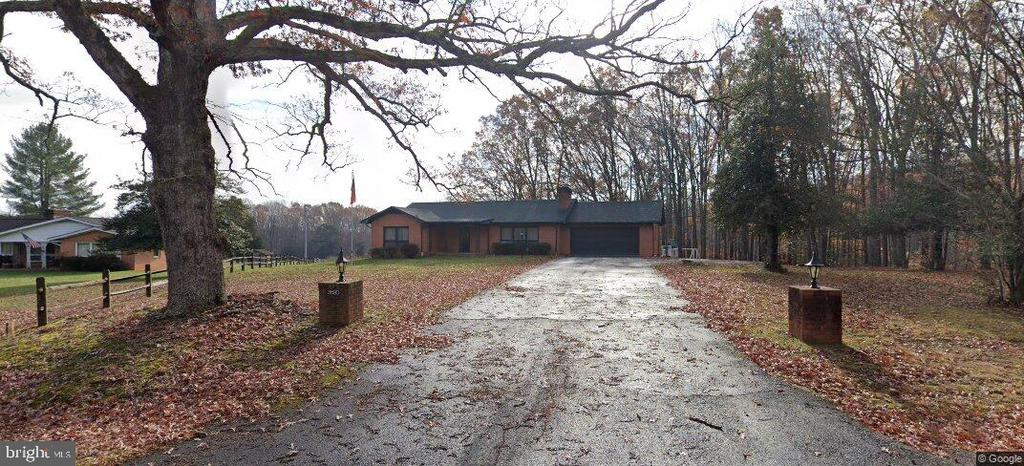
156 253
6 249
395 236
84 249
520 234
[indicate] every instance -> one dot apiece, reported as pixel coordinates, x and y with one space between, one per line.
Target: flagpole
352 223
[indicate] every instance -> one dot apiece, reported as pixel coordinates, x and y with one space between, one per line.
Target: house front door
463 239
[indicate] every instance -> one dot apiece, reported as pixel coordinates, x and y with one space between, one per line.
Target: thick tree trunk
1016 281
899 251
182 191
873 251
938 259
772 262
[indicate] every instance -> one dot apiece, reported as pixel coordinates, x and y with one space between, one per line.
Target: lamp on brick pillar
814 265
341 262
815 312
341 302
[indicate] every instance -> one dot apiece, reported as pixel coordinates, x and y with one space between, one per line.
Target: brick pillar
816 315
341 303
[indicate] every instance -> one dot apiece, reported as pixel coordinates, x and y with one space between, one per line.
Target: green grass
19 282
22 282
297 281
422 267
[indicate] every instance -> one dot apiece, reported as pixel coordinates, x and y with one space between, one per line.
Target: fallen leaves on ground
125 382
925 359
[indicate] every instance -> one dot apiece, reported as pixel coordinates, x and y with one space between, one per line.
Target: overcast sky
380 167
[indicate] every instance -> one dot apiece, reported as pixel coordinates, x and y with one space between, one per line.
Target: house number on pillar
341 303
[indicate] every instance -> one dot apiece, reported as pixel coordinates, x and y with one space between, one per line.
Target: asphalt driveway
580 361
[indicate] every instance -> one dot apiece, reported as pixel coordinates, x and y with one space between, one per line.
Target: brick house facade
571 227
61 235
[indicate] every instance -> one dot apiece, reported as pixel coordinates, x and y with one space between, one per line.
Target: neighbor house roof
544 211
78 232
14 223
97 221
11 223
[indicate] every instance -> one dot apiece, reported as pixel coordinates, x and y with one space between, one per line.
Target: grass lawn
127 381
925 359
18 298
17 282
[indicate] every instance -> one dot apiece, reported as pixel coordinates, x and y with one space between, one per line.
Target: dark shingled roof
98 221
10 223
546 211
494 211
617 212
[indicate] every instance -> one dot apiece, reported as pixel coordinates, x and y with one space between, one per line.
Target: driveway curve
579 361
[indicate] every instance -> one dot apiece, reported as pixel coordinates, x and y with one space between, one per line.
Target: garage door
605 241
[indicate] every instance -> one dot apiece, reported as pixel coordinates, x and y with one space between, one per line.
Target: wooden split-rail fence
261 261
252 262
104 283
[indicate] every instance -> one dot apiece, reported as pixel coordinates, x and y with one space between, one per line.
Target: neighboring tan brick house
571 227
61 235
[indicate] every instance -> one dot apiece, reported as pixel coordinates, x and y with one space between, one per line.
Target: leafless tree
361 50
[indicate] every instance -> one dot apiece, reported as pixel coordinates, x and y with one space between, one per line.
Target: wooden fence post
231 265
41 301
243 264
106 289
149 281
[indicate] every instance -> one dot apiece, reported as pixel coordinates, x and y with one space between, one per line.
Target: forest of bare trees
909 127
312 230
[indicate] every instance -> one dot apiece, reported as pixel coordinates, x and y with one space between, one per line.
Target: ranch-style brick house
28 242
571 227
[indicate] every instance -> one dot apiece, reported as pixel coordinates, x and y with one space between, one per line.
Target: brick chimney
564 197
58 213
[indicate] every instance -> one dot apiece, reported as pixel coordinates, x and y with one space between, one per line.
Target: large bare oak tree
342 45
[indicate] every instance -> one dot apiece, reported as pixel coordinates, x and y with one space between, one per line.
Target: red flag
352 201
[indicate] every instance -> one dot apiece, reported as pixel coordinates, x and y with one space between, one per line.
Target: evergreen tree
776 130
45 173
237 225
136 223
138 227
